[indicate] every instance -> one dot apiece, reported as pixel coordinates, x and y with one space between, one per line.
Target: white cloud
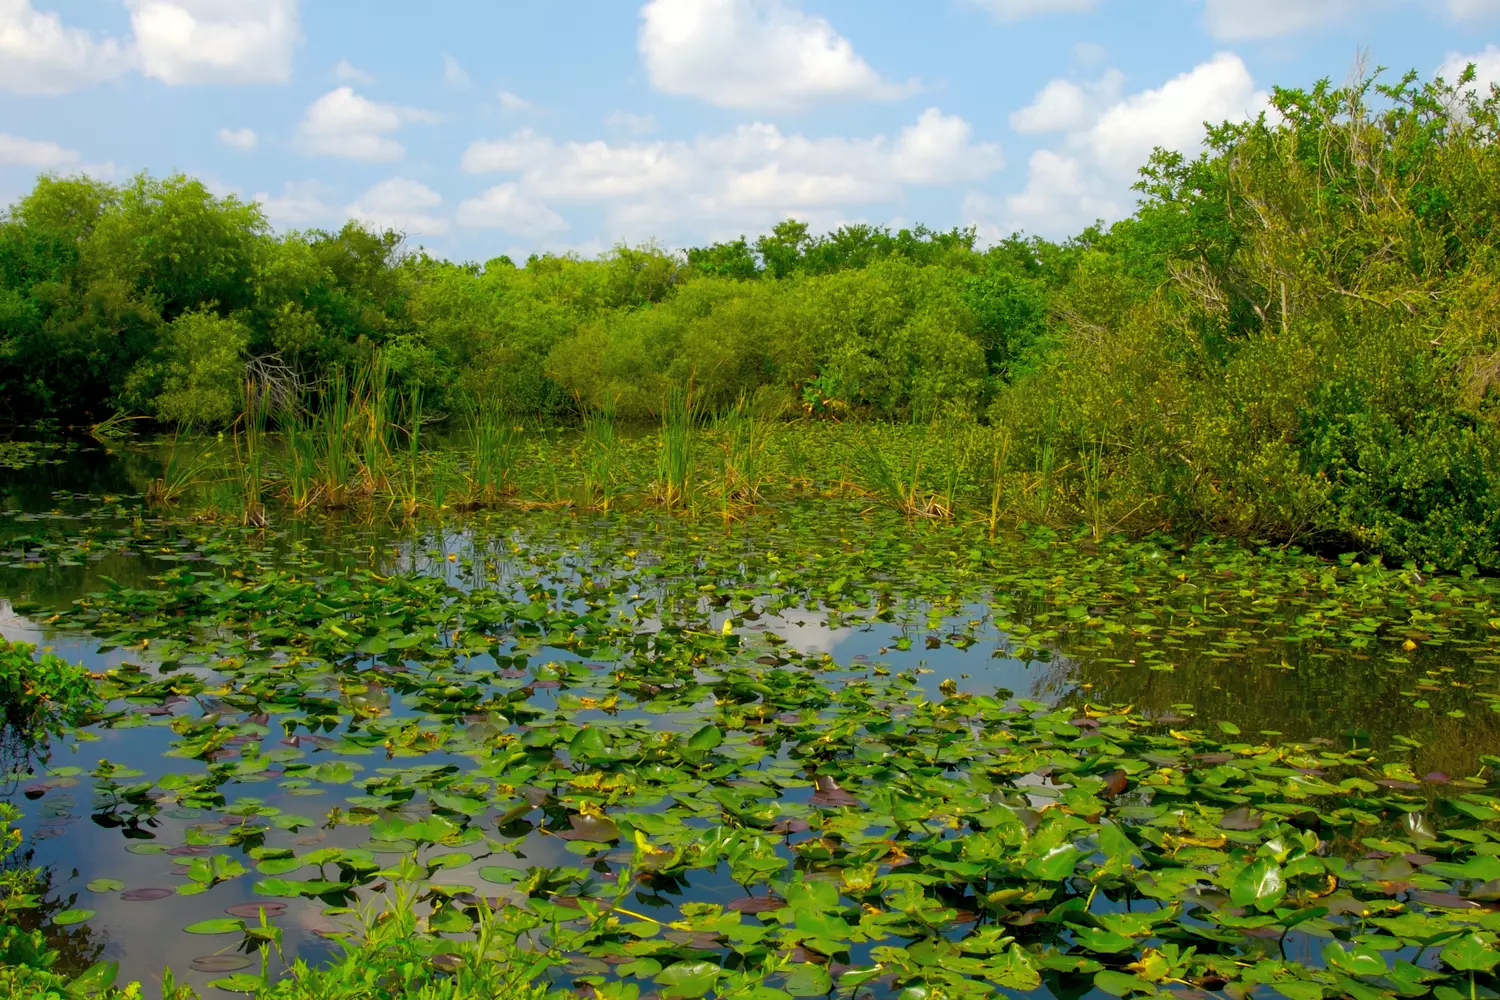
41 55
752 175
300 203
1088 176
1173 114
1015 10
1242 20
752 54
341 123
515 104
215 41
1064 106
630 124
454 75
347 72
402 205
239 138
1486 68
505 206
36 153
1465 9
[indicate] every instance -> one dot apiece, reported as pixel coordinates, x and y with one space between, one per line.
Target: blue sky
493 127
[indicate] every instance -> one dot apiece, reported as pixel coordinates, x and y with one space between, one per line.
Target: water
73 528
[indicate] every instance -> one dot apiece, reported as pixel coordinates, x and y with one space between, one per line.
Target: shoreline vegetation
1293 338
1291 345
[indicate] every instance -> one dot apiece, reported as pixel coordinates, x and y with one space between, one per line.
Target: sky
482 127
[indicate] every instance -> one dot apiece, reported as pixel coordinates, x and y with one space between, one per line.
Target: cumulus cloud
215 41
400 204
753 54
243 139
37 153
1015 10
752 175
506 206
1486 68
342 123
41 55
1087 176
347 72
1063 105
300 203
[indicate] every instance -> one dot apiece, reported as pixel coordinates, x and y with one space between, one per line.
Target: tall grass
250 454
408 494
897 482
674 468
743 433
494 447
599 461
180 473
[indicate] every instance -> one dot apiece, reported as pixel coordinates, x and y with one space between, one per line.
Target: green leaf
806 980
68 917
1119 984
106 885
373 646
1260 883
1101 941
1470 953
688 980
240 982
219 925
705 739
96 978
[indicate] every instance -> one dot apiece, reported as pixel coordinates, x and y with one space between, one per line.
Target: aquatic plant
673 487
494 449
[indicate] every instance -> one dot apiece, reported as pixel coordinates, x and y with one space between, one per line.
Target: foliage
42 688
1293 337
690 803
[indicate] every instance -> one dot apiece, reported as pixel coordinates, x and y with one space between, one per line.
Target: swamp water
820 748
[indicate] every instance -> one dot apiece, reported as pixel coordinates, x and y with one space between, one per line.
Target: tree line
1295 335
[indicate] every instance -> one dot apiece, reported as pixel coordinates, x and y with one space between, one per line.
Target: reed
179 474
599 461
494 447
743 433
999 466
898 483
674 467
250 454
409 491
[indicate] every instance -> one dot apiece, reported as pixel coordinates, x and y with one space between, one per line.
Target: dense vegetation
1293 338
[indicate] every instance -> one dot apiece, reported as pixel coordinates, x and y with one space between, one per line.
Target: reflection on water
1365 693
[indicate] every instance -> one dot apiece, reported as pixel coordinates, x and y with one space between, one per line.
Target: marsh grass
897 481
408 494
598 461
494 450
674 468
743 433
250 454
186 467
